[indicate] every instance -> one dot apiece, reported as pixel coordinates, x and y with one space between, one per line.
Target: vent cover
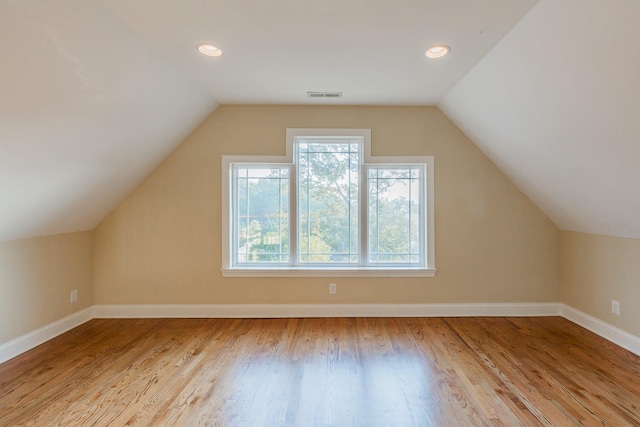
324 94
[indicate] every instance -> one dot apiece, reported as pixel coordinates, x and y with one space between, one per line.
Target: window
261 215
328 208
395 215
328 200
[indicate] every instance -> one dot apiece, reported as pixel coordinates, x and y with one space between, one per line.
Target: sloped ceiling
87 109
556 105
95 93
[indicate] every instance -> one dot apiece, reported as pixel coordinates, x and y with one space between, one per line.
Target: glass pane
262 214
328 198
394 215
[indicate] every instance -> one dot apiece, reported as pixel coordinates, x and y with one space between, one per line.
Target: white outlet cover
615 307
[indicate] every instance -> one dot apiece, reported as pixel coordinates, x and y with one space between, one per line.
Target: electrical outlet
615 307
74 295
332 288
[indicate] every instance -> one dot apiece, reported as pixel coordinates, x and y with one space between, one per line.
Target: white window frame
425 269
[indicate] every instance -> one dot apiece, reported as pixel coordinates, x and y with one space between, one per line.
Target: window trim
279 270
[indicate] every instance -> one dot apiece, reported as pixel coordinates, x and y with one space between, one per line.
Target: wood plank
329 371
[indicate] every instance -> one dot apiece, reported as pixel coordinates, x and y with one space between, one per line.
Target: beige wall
598 269
162 244
36 278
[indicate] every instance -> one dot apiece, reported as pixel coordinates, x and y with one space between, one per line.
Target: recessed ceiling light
209 49
437 51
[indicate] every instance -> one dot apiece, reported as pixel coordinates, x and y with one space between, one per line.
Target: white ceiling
556 105
95 93
275 51
87 109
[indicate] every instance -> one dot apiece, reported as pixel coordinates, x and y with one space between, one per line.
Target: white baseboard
605 330
28 341
33 339
326 310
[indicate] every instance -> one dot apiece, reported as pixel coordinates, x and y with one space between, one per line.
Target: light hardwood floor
312 372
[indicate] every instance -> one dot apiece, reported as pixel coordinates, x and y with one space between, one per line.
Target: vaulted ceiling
556 105
95 93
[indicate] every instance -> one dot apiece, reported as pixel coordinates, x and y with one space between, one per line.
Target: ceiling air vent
324 94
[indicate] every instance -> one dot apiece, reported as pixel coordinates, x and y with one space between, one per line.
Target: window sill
329 272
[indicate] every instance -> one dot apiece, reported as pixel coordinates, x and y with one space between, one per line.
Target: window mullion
410 218
280 216
234 214
364 214
248 222
308 207
377 215
349 207
424 229
293 215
